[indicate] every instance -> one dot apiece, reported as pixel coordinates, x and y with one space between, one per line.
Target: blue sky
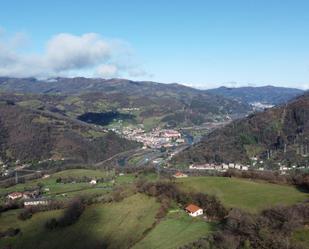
199 43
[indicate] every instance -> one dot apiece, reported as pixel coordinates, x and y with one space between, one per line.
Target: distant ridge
171 104
264 94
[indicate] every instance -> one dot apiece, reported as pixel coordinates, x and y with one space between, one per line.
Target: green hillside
245 194
279 134
102 224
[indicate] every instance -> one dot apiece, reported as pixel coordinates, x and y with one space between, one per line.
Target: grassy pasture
249 195
70 189
301 237
118 225
175 230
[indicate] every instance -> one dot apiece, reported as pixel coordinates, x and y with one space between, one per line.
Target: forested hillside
280 134
35 135
150 103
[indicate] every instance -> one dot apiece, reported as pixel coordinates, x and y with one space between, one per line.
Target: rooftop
192 208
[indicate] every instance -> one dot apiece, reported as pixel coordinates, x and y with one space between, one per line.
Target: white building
194 210
15 195
244 168
231 165
93 182
225 166
237 166
35 202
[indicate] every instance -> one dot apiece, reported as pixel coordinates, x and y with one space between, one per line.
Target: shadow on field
303 189
77 236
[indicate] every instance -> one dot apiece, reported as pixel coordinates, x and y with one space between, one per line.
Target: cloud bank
68 55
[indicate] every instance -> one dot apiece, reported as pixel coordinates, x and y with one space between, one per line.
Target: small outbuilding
93 182
194 210
180 175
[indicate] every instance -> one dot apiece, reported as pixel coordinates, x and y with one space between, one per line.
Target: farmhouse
180 175
93 182
194 210
31 194
35 202
15 195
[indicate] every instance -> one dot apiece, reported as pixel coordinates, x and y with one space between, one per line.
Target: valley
115 163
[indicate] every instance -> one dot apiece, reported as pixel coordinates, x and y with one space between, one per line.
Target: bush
25 214
11 232
163 190
71 215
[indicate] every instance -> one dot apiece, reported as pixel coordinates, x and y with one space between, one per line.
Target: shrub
25 214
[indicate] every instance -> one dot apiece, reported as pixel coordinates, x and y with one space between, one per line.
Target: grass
249 195
151 122
301 237
118 225
71 189
176 230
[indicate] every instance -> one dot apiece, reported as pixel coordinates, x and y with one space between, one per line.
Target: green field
119 225
176 230
68 189
246 194
301 237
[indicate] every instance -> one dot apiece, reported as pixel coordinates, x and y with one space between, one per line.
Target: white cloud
67 55
107 71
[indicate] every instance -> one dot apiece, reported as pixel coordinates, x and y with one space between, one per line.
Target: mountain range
42 119
265 94
148 103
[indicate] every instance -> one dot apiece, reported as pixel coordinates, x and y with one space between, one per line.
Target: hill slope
279 134
265 94
35 135
171 104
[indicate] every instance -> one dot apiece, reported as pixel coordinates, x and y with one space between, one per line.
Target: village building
35 202
205 166
244 168
180 175
171 134
194 210
15 195
237 166
225 166
231 165
30 194
93 182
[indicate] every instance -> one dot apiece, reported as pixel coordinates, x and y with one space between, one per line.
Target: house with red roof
180 175
194 210
15 195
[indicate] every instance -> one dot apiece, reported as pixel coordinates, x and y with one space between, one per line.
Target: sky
204 43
